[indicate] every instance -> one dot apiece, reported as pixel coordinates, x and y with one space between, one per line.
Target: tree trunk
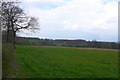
14 39
14 33
7 36
8 32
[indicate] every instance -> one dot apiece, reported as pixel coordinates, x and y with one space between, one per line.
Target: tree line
66 43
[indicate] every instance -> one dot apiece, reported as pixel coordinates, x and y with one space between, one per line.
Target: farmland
53 62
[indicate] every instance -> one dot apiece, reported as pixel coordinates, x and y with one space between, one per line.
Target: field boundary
79 48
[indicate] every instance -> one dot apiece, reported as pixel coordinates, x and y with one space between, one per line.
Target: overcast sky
75 19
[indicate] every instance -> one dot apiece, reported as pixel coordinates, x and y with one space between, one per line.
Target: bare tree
15 19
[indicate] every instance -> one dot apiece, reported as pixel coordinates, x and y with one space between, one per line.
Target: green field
51 62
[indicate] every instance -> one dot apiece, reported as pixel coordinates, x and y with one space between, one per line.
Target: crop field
53 62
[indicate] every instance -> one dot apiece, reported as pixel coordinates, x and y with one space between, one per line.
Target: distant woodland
65 43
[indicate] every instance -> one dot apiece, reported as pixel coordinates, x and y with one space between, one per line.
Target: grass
46 62
9 64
